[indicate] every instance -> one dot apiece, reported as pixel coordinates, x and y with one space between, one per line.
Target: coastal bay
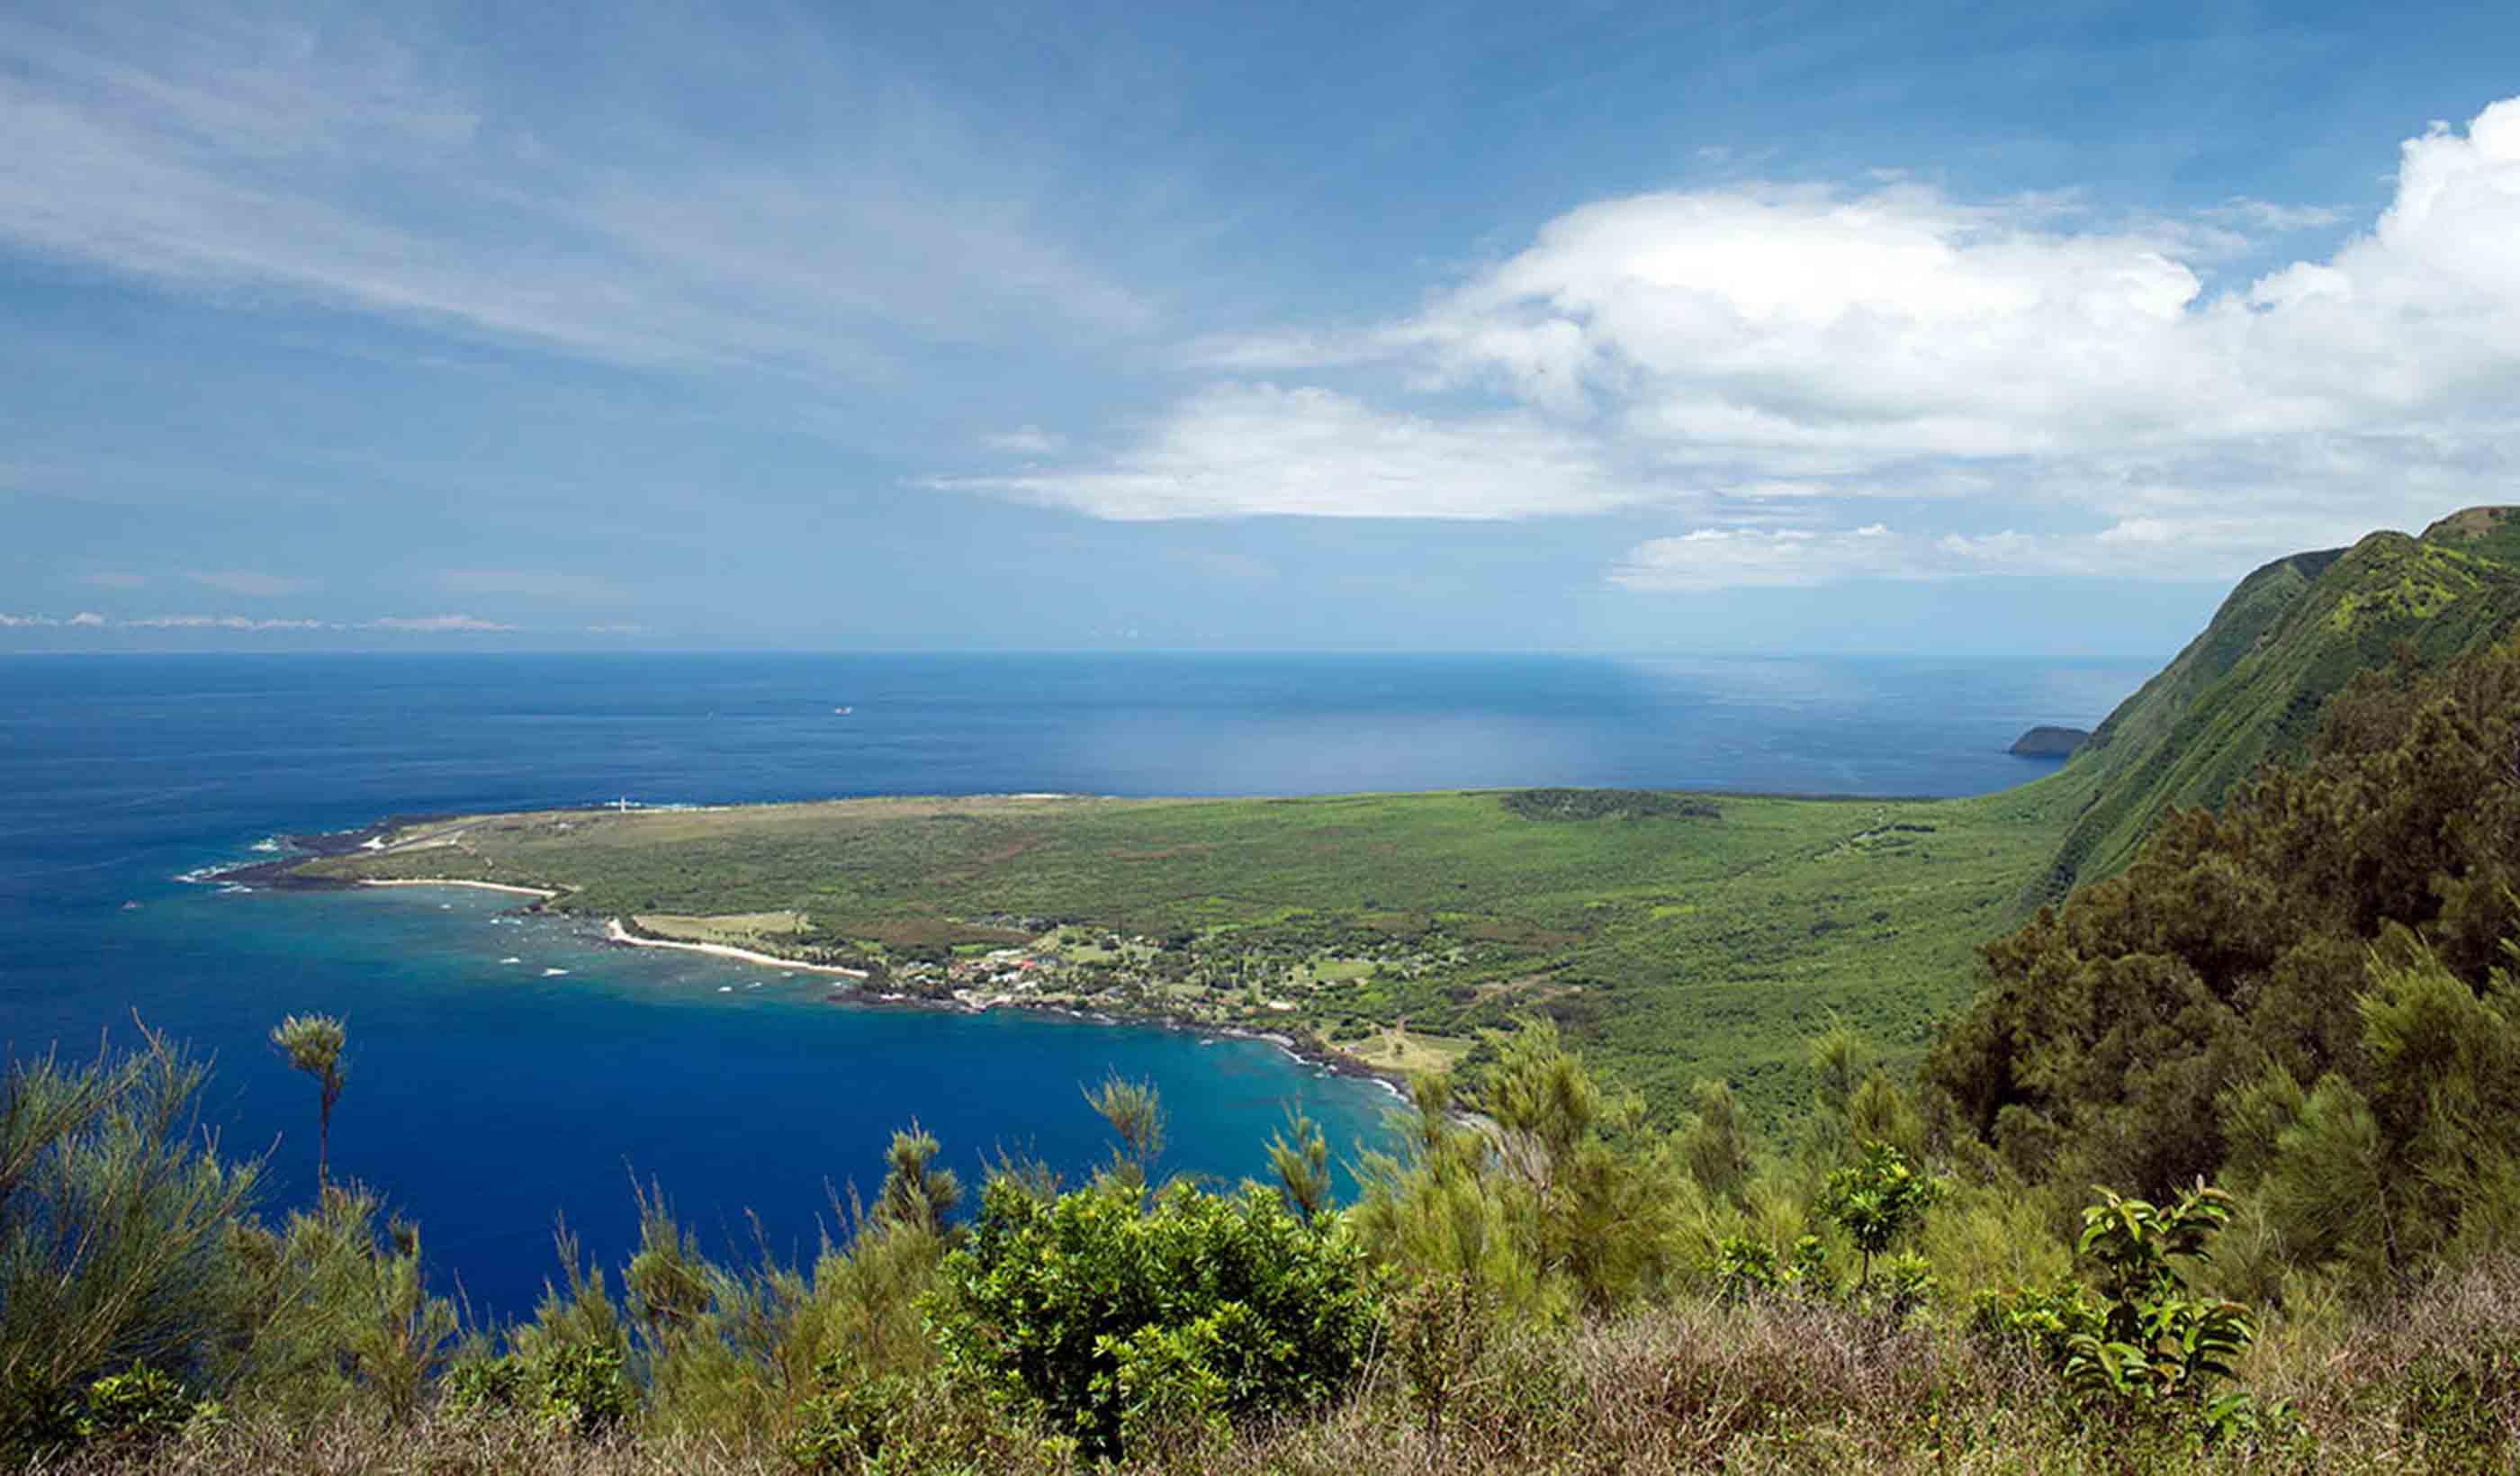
1674 936
485 1095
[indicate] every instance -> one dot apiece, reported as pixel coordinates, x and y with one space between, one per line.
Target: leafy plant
485 1386
2157 1346
1876 1201
1090 1307
1745 1267
583 1390
140 1405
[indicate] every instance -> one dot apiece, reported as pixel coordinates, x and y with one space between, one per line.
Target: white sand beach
488 886
619 934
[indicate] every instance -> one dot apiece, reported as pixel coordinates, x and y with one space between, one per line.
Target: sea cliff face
2046 741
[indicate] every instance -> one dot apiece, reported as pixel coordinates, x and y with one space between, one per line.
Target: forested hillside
2250 688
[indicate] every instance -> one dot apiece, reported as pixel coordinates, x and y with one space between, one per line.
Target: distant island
2046 741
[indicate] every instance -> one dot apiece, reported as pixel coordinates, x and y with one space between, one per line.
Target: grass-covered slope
2251 687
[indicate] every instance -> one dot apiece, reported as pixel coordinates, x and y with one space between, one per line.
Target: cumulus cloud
1758 343
1242 450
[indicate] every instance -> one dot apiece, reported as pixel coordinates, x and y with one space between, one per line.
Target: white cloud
249 583
2272 216
213 622
1763 343
1254 450
1722 559
408 624
330 161
435 624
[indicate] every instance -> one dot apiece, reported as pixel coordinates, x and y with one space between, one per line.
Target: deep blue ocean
485 1099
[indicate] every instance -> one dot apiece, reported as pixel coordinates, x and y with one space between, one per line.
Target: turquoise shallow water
487 1097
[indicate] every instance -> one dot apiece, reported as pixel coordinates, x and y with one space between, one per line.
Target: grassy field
1675 938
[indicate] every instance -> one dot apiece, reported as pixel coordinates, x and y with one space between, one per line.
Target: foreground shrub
926 1424
1109 1317
116 1234
139 1408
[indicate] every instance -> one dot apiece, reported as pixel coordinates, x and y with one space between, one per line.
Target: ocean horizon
508 1068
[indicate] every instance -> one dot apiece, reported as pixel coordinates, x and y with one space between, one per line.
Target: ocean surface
487 1097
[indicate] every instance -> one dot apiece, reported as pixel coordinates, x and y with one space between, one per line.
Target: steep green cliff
2251 687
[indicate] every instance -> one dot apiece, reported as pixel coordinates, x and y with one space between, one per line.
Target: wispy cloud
425 625
437 624
336 163
111 580
1255 450
216 622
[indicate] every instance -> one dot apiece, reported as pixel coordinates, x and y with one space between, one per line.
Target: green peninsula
1676 936
1681 936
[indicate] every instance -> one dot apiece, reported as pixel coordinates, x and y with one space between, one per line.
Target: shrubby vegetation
1534 1281
2216 1173
2307 997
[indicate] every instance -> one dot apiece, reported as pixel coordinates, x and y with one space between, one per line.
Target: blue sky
1899 327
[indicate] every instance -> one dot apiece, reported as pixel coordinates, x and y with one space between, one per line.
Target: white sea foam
512 960
269 845
554 973
202 874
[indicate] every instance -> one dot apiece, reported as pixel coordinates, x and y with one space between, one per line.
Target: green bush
2147 1345
135 1407
1104 1315
486 1387
578 1388
1876 1201
116 1233
583 1390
